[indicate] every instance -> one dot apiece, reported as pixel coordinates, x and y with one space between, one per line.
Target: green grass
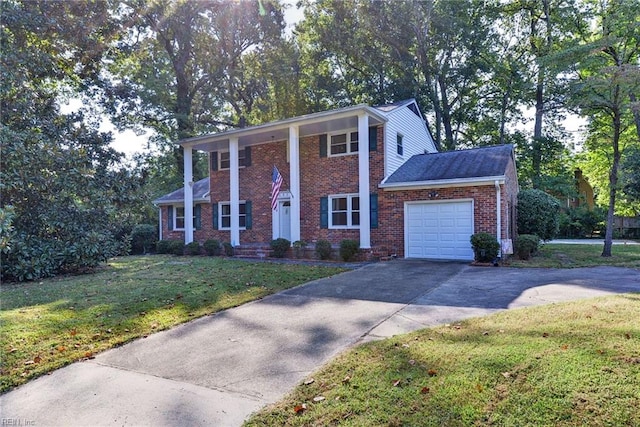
569 256
49 324
570 364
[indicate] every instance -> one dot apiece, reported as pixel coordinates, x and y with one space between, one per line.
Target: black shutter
214 160
373 138
170 217
197 223
323 145
247 157
373 208
324 212
248 218
214 214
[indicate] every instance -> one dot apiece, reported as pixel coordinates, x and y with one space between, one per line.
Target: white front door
284 219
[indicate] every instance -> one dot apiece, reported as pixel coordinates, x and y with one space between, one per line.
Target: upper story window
225 159
399 144
344 211
343 143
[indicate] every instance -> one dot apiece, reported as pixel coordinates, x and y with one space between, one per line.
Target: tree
607 73
538 214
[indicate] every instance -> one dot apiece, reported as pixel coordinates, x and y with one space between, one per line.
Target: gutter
442 183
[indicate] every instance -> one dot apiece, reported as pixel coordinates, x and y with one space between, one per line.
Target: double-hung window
224 215
343 143
176 217
344 211
399 144
225 159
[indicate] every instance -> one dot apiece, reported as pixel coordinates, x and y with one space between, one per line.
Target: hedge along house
371 174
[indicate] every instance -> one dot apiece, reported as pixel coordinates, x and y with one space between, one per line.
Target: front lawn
572 364
49 324
581 255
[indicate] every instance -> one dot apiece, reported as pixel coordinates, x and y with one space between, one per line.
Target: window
344 211
343 143
225 160
179 218
225 215
399 144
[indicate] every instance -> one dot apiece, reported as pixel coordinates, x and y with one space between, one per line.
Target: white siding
416 138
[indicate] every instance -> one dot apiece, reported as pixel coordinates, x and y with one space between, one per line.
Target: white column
294 178
234 190
188 195
363 180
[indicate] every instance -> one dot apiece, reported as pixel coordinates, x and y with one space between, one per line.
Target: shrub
526 245
538 213
298 248
173 247
323 249
212 247
581 222
143 238
280 246
349 249
228 248
192 248
485 247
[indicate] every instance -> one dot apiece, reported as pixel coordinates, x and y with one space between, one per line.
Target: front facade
336 168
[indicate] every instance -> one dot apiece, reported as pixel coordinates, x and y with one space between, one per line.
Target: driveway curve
219 369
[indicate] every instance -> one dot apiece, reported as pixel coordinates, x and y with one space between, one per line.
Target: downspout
498 216
159 222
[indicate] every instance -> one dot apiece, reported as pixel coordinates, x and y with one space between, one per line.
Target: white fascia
442 183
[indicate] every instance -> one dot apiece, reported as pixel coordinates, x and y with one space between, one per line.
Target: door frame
284 196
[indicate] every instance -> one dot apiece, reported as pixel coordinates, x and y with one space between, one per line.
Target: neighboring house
371 174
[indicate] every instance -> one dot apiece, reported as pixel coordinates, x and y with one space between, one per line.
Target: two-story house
371 174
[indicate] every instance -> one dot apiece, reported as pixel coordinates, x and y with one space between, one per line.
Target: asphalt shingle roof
459 164
200 190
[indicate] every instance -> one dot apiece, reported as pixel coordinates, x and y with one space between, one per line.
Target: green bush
526 245
212 247
192 248
228 248
280 246
581 222
349 249
298 248
143 238
485 247
323 249
538 213
172 247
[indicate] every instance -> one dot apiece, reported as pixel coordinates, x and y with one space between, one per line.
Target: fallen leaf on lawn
501 331
309 381
600 351
346 380
424 390
506 374
432 372
37 359
96 336
412 362
73 332
318 399
479 387
154 325
405 345
545 335
627 336
88 354
300 408
13 350
458 327
29 362
396 383
564 347
108 331
485 333
61 348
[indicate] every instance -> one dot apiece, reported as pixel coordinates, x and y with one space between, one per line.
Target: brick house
338 165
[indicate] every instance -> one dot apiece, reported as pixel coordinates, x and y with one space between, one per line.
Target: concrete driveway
219 369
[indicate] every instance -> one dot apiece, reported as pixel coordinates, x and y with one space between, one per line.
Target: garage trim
422 202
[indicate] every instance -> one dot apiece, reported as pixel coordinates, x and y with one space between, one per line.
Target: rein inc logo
16 422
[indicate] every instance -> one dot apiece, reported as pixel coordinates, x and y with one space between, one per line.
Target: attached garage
439 230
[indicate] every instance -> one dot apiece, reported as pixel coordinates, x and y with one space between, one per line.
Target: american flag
276 183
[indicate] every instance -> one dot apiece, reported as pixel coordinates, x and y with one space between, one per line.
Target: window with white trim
178 217
224 215
399 144
225 159
343 143
344 211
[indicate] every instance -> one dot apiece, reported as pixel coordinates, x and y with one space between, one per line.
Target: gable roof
454 166
200 194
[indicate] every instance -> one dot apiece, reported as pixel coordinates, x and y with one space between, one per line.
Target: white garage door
439 230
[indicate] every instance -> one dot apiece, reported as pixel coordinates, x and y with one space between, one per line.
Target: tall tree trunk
613 176
446 115
635 109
